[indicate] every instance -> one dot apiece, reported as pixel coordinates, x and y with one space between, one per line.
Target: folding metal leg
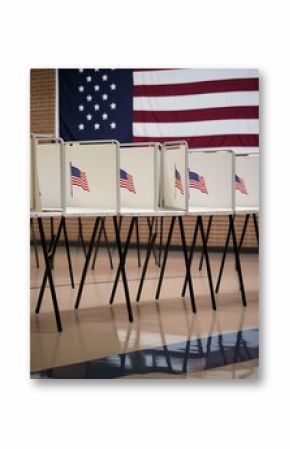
150 245
190 257
107 245
49 274
150 227
238 262
97 244
244 230
256 228
66 242
207 237
87 261
187 265
204 243
165 258
50 259
34 242
125 251
223 260
122 267
138 242
80 236
160 241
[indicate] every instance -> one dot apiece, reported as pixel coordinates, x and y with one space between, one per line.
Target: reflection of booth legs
48 273
87 261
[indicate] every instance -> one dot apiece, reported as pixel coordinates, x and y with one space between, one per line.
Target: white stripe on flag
180 76
199 101
204 128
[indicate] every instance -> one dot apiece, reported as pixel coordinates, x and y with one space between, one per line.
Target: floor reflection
177 359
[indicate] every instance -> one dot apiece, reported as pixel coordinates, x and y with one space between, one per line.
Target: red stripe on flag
232 112
227 140
201 87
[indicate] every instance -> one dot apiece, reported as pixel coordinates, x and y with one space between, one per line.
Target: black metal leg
187 265
204 243
165 258
80 224
125 251
207 237
122 268
107 245
244 230
160 241
50 259
66 242
223 260
49 274
87 261
34 243
238 262
150 228
151 242
190 257
256 228
138 242
97 244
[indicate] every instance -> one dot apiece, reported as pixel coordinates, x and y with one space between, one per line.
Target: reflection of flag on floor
178 183
126 181
79 178
197 182
240 185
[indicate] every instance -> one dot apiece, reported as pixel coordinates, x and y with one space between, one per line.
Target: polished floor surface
166 340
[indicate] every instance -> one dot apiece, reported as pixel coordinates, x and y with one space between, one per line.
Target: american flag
178 183
127 181
197 182
79 178
209 108
240 185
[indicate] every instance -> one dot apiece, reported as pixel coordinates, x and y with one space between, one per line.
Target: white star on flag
105 77
81 88
105 97
81 107
96 87
113 105
81 70
89 79
89 98
81 126
113 125
89 117
97 126
97 107
105 116
113 86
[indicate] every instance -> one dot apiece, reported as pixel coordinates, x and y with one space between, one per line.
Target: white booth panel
174 180
247 182
48 171
138 177
210 178
91 176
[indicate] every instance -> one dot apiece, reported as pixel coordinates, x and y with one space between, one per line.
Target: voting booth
246 183
210 182
139 178
45 180
173 176
91 178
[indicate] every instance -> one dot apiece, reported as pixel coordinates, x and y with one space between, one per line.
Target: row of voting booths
107 179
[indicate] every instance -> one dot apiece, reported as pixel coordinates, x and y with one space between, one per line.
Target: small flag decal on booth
127 181
178 183
240 185
197 182
79 178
